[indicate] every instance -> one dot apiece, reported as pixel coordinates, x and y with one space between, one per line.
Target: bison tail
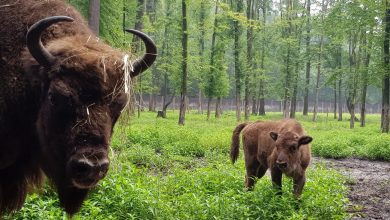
235 148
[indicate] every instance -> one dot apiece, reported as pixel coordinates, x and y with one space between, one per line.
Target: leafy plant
162 171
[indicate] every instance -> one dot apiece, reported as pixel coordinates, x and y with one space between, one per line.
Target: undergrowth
160 170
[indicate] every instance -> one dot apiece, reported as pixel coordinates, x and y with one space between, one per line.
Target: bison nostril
104 166
81 168
281 164
84 168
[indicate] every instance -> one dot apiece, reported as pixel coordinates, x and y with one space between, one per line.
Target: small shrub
188 148
378 148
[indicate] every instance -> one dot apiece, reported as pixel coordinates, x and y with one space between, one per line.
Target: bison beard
71 198
61 93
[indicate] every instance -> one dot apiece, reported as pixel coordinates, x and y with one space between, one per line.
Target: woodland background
255 56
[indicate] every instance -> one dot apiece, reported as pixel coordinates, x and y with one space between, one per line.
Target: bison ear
304 140
117 105
273 135
34 72
119 102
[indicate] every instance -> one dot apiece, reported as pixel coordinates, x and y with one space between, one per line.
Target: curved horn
34 43
147 60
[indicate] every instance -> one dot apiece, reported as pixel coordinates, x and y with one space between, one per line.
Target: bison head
286 152
82 96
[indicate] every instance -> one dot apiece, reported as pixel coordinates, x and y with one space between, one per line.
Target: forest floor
369 186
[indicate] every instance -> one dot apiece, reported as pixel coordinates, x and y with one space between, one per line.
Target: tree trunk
155 81
183 90
363 107
386 79
249 55
295 77
340 82
140 101
317 91
287 87
212 83
218 110
151 11
151 102
367 55
138 25
261 106
208 108
166 104
340 118
200 102
335 101
353 69
263 51
94 16
137 47
295 84
254 105
237 63
166 52
201 50
308 61
164 90
294 95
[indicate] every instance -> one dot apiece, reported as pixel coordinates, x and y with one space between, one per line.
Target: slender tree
137 47
261 105
202 28
297 48
94 16
367 57
340 82
353 69
287 34
237 61
308 58
183 90
386 76
211 82
166 54
249 55
318 77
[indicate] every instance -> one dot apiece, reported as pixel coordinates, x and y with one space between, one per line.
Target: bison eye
51 99
292 148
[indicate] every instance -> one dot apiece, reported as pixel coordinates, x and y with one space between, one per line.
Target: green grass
160 170
334 139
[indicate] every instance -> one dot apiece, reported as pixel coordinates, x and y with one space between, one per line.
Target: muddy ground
369 183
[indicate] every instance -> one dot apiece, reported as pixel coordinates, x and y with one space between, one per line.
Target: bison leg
299 183
251 173
276 176
261 171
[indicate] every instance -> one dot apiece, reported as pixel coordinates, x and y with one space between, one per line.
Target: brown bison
282 146
61 92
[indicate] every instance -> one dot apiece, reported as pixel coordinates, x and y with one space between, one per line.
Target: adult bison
281 146
61 92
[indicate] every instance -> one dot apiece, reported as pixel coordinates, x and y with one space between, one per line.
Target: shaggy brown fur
281 146
56 119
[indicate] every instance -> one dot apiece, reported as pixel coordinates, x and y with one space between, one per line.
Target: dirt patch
369 183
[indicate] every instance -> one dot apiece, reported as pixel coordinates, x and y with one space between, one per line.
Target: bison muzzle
62 90
281 146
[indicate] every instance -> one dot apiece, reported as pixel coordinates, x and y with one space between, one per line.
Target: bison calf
282 146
